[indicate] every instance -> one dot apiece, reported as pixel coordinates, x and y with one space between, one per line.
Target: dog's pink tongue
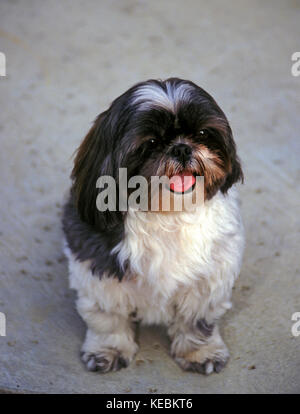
182 182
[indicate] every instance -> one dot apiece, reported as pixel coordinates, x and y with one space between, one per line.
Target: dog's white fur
151 95
182 269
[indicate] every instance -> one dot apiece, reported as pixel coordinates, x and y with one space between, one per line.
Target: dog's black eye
203 133
152 142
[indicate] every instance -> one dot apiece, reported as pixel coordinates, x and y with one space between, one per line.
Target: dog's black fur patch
88 244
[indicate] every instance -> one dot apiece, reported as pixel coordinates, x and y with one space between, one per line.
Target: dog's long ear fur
94 158
235 174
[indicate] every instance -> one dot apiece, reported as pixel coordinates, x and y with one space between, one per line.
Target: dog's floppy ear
235 173
94 158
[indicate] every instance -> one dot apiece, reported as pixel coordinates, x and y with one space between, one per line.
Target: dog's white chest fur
171 255
165 250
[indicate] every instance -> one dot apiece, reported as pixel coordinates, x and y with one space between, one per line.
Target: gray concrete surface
66 60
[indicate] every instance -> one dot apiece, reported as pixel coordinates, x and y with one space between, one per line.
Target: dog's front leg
196 341
109 344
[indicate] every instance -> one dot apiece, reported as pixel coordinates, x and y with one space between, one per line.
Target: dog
175 268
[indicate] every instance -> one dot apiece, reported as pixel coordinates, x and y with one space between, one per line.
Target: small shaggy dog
175 268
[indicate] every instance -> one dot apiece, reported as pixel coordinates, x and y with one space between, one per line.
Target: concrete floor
65 62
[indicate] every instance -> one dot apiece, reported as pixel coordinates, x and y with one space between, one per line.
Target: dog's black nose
182 152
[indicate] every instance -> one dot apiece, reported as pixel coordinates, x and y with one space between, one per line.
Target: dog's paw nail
209 367
91 365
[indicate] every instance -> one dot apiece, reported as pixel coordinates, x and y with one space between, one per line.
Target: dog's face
157 128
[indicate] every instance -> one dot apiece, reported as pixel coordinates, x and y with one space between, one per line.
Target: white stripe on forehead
151 95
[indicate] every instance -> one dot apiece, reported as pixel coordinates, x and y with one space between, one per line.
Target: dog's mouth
182 183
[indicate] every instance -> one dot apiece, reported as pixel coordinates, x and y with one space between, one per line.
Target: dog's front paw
207 367
208 358
106 360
